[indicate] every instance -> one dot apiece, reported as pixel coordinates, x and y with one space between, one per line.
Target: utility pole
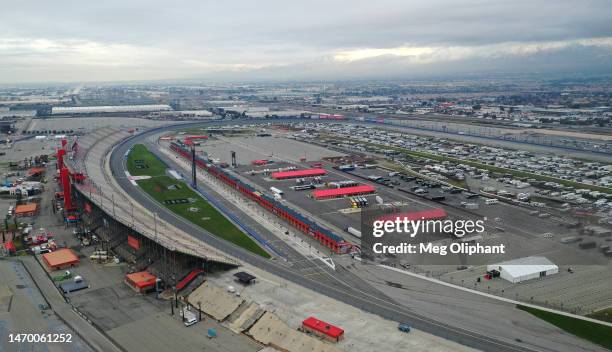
175 296
183 312
113 200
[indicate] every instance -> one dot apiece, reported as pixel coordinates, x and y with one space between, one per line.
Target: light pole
155 224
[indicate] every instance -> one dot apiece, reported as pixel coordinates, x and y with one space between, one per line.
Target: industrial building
7 126
342 192
28 209
74 110
523 269
61 259
283 175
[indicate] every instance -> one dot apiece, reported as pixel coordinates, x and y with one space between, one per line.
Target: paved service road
506 340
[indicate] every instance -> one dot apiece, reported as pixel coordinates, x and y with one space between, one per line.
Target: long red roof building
282 175
322 329
343 192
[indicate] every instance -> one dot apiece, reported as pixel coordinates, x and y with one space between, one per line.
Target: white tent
522 269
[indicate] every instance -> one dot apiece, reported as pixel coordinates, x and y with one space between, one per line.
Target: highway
369 301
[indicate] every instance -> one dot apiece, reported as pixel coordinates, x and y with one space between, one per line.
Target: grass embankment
596 333
604 314
502 170
193 130
164 188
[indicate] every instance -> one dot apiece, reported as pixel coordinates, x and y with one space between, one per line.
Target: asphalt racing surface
346 292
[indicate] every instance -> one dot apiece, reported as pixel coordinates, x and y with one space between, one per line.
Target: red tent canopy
10 246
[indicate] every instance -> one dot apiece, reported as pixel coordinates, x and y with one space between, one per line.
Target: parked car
403 327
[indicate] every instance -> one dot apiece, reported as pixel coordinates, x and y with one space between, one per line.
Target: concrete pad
214 300
270 330
364 332
5 297
161 332
269 349
248 317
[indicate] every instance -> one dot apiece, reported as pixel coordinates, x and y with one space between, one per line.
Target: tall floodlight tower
194 182
234 164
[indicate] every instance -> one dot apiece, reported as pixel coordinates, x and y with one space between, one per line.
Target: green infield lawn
141 162
596 333
183 201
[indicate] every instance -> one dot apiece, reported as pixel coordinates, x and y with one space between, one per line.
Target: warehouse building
283 175
342 192
75 110
523 269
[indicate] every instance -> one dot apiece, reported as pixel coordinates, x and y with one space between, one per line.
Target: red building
141 281
322 329
36 172
283 175
259 162
28 209
61 259
197 137
342 192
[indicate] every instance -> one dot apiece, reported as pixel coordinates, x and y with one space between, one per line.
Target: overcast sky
111 40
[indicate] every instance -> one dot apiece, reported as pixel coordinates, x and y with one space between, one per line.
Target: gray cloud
112 39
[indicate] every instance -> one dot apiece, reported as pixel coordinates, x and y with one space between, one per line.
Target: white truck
189 317
353 231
